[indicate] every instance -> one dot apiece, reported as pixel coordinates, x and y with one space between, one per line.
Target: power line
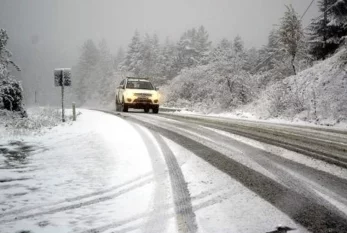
268 58
307 9
333 5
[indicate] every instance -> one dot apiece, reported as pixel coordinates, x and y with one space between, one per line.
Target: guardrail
166 109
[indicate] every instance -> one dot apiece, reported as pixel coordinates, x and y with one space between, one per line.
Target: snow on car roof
138 79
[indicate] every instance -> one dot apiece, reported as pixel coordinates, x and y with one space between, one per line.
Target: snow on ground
70 167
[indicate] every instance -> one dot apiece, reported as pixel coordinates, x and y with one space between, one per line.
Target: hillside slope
318 94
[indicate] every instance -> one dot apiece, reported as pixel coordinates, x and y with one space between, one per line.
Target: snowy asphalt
293 191
137 172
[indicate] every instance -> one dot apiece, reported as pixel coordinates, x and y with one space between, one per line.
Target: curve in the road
309 213
331 152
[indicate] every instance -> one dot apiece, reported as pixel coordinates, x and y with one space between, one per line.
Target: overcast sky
50 32
67 23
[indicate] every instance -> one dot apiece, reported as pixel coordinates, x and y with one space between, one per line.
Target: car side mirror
157 88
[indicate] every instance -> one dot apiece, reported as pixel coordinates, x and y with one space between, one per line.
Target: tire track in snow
309 213
77 198
157 221
77 205
135 221
183 205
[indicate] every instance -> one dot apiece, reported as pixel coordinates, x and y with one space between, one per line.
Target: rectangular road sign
60 74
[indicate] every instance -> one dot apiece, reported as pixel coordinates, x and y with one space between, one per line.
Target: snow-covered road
139 172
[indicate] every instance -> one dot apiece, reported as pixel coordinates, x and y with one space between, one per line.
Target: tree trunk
293 59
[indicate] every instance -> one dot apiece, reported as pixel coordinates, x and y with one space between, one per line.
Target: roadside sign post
73 111
62 78
62 98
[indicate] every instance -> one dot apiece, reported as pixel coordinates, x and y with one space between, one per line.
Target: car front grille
143 95
147 101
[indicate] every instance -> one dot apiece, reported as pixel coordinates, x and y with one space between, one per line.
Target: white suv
137 93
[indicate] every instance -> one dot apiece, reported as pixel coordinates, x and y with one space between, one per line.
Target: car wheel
118 105
156 110
124 107
146 109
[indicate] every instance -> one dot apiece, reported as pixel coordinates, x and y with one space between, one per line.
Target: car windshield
139 85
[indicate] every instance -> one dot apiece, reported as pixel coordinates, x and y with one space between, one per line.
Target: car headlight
129 94
156 96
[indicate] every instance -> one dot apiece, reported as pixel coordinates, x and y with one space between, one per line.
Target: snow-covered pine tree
120 56
150 54
84 71
203 45
326 34
105 80
105 58
11 96
291 34
193 48
222 52
167 62
133 59
238 45
187 52
252 58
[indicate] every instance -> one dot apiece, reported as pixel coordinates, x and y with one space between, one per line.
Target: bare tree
291 34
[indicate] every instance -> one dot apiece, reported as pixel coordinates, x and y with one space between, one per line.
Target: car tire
124 107
118 105
155 110
146 109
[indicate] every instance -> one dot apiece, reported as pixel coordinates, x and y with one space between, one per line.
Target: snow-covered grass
39 119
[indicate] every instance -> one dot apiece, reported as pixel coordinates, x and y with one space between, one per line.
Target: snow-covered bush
286 99
11 94
214 87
